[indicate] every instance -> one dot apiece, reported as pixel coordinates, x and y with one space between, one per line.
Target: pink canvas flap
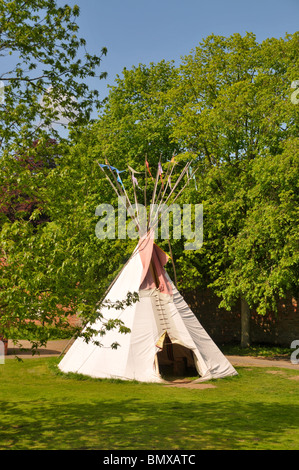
149 251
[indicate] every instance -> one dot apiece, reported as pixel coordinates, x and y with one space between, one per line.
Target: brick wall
225 327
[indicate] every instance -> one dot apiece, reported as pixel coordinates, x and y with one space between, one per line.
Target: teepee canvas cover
163 329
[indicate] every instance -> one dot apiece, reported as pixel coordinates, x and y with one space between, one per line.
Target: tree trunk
245 324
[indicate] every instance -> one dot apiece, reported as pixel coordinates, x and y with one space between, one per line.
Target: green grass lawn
42 409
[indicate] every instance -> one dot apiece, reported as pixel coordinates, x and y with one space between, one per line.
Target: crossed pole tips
160 195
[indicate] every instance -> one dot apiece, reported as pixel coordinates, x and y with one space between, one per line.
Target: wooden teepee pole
173 265
170 194
179 193
121 193
166 179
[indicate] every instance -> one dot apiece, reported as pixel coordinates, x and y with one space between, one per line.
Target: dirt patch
275 372
283 374
189 384
242 361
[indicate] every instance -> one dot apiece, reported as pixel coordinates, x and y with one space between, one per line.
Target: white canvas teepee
164 331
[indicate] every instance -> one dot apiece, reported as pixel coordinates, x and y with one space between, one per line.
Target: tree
228 108
233 97
134 123
236 116
57 269
46 82
264 254
47 77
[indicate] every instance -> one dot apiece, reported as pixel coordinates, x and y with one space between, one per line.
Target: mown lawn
41 409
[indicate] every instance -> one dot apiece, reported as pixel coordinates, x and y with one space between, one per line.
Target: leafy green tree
134 123
57 269
228 107
44 73
44 70
265 253
233 97
236 116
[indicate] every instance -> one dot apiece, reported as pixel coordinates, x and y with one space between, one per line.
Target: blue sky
139 31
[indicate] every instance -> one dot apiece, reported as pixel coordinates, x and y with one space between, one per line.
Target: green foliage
227 108
47 78
57 269
237 117
257 350
265 251
49 270
135 123
234 97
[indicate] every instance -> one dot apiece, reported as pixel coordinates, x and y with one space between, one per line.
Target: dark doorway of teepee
176 361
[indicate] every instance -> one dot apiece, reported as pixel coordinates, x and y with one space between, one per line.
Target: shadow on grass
134 424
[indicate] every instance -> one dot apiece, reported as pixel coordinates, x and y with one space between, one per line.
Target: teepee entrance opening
175 360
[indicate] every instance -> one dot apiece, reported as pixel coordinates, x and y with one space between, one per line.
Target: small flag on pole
148 168
135 182
116 170
190 171
134 179
160 171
